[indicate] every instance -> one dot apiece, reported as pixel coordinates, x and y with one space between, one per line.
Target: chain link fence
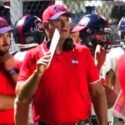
112 10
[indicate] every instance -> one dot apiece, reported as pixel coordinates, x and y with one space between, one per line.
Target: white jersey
20 55
110 63
111 60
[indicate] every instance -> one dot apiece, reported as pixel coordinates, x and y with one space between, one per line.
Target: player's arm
98 98
26 89
21 112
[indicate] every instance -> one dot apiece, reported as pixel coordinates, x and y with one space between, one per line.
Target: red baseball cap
54 12
4 26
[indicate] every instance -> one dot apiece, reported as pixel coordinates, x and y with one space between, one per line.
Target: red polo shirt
6 116
62 95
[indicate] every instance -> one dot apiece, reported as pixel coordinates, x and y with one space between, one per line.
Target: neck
3 56
59 48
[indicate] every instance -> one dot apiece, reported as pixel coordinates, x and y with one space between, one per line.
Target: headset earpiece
68 44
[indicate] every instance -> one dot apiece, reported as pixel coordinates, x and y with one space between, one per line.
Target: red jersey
6 88
62 95
120 68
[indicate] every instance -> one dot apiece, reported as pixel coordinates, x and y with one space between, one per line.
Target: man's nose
5 39
63 23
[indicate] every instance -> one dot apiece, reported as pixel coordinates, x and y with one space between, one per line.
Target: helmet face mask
101 37
28 30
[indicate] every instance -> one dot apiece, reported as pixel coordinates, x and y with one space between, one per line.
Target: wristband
13 71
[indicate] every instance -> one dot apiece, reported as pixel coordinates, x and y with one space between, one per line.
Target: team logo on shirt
74 61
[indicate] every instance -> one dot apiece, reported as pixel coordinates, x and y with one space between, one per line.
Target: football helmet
94 29
29 30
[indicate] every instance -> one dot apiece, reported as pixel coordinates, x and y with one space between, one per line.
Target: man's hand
100 56
42 63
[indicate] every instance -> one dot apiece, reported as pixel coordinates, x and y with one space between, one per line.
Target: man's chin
64 37
4 52
65 34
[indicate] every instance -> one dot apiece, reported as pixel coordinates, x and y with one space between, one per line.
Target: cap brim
78 28
56 16
5 29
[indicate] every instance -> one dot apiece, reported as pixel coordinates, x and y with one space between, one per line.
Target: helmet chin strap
67 45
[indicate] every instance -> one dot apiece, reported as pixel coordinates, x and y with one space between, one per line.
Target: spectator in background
61 91
8 76
28 33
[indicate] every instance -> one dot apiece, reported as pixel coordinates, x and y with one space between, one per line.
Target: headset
68 44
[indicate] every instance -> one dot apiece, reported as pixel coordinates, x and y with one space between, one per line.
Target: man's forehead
7 33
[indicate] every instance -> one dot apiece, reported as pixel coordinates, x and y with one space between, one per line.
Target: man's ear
47 25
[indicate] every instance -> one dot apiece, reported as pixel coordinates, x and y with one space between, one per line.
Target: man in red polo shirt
61 92
8 76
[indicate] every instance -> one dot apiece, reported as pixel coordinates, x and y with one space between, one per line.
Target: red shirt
120 68
6 88
62 95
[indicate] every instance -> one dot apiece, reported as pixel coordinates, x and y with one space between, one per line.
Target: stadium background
113 10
